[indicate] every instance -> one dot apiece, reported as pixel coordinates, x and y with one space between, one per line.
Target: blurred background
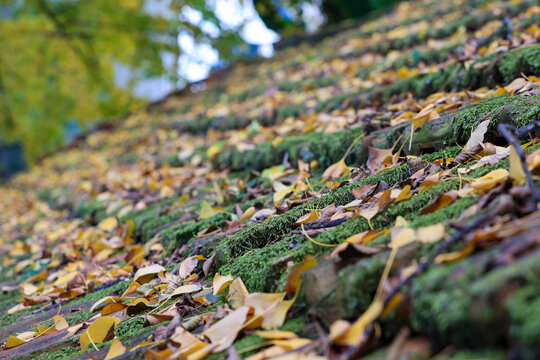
65 65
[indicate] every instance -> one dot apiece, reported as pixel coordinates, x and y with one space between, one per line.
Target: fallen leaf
108 224
99 331
293 280
237 293
206 211
430 234
490 180
186 289
440 202
517 174
223 332
187 266
116 349
377 157
220 283
147 273
335 170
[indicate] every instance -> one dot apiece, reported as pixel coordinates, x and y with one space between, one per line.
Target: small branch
325 224
505 129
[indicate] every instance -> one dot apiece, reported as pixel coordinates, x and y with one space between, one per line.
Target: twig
325 224
504 129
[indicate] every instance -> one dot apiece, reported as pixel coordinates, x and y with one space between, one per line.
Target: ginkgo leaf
99 331
116 349
220 283
430 234
223 332
354 335
205 210
477 136
310 216
335 170
293 280
14 341
103 302
490 180
187 266
276 334
248 214
402 236
60 323
405 194
440 202
108 224
186 289
147 273
428 113
377 157
517 175
237 293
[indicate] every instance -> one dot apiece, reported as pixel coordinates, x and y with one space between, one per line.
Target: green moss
129 327
457 302
179 234
259 235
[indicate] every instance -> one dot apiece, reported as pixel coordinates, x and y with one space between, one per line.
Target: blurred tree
58 57
274 15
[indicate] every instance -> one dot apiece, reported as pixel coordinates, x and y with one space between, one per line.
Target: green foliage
58 60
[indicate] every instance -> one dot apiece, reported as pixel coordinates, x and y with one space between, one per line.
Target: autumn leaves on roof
374 194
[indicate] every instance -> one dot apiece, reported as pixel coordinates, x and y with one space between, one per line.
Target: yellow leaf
28 289
13 341
312 215
355 334
402 236
221 282
405 194
517 175
186 289
237 293
108 224
112 308
291 344
490 180
223 332
102 302
430 234
272 308
426 114
60 323
276 334
99 331
206 211
248 214
187 266
293 280
147 273
335 170
116 349
213 150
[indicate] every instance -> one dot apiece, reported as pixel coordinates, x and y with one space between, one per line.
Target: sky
197 60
